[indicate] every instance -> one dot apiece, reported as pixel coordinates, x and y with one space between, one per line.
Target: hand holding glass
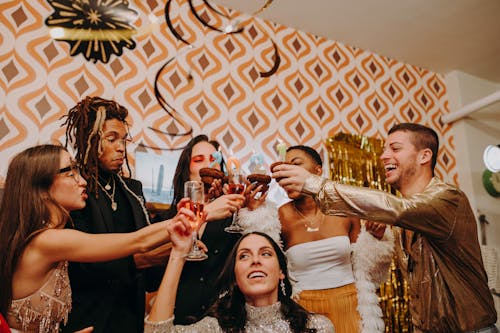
236 186
194 191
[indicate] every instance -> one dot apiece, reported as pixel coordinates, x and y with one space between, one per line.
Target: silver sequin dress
267 319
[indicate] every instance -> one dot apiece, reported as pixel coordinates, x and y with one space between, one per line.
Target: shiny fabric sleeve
432 212
206 325
320 323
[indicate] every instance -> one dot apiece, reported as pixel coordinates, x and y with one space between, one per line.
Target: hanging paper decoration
233 28
95 28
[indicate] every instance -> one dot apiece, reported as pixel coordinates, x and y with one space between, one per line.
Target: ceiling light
491 158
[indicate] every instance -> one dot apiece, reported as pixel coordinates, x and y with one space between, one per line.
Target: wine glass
194 191
236 186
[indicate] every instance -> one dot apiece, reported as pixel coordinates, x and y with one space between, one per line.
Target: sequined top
43 310
266 319
438 249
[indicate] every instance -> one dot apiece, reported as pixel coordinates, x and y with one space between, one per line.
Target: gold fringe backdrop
354 160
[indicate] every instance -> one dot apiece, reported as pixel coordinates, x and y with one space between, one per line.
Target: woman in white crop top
324 252
41 187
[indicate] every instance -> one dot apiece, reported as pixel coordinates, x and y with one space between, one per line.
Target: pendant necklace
311 224
111 196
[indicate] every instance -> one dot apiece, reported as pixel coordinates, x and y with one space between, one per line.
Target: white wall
472 134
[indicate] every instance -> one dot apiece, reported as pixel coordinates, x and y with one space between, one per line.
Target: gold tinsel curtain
354 160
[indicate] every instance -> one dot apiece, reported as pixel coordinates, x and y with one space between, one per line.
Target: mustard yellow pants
338 304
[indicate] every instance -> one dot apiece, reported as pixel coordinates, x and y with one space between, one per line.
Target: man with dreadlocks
110 295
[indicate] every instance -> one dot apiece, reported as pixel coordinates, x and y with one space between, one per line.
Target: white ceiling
439 35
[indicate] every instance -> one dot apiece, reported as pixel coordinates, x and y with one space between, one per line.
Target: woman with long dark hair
42 186
196 286
255 293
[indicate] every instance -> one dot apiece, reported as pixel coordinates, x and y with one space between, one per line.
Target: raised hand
291 177
216 190
180 231
224 206
255 195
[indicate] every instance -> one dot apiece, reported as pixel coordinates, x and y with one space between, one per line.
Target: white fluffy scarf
371 259
264 219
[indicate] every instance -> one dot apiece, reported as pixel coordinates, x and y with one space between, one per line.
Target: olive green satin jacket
439 252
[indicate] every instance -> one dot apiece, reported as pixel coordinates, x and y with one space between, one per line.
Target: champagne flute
194 191
236 186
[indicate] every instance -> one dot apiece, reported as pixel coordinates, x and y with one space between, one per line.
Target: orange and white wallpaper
322 87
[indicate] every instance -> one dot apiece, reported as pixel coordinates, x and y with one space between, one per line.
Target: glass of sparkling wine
194 191
236 186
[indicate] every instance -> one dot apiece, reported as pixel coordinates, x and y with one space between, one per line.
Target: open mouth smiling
256 274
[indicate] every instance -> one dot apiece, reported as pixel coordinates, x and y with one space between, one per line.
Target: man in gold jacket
438 246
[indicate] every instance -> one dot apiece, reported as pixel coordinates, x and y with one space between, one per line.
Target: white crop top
321 264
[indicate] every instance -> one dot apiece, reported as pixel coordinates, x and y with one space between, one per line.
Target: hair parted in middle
229 308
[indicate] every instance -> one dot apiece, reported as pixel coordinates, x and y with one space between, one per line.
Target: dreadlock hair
84 133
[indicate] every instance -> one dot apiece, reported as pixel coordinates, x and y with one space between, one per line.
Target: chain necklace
311 224
111 196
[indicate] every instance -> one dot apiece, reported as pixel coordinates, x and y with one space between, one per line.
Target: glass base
236 229
196 256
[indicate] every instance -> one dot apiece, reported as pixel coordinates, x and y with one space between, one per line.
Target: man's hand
157 256
376 229
291 177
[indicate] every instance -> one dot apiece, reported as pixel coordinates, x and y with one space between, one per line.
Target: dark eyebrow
260 249
70 167
296 158
66 169
115 133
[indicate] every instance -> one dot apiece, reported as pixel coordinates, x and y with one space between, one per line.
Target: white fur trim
264 219
371 259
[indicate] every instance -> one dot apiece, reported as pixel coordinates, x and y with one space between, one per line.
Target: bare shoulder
286 213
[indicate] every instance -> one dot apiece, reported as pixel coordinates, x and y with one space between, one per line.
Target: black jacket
110 295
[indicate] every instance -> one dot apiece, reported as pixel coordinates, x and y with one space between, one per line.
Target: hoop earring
282 285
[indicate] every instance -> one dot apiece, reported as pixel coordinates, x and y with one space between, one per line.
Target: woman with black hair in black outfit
198 277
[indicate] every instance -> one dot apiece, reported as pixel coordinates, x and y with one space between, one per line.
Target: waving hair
26 208
230 310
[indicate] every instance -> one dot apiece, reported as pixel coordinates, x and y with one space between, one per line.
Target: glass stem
195 242
235 220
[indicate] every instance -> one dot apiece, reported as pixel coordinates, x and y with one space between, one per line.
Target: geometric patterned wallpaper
322 87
